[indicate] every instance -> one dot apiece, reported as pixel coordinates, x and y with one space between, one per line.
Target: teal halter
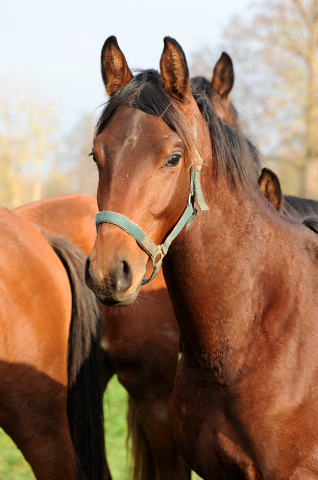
157 252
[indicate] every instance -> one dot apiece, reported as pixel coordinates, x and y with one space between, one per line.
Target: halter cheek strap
157 252
195 184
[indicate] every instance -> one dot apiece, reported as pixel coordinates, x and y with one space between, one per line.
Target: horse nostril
124 277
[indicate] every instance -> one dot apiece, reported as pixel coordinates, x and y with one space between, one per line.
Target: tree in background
27 129
73 170
35 161
275 53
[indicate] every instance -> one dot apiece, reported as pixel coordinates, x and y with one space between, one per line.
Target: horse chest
243 438
204 435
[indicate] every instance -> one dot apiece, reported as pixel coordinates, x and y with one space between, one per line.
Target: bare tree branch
302 10
275 56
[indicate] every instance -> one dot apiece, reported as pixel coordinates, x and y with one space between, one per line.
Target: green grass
12 464
115 409
14 467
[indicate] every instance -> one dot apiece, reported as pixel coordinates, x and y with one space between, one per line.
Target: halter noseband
157 252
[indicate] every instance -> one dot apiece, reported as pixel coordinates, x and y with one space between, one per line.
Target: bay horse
242 278
141 347
50 395
218 91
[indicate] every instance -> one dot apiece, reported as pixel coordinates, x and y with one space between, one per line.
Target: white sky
54 45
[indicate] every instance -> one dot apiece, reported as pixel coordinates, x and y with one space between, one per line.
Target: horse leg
150 407
106 367
33 413
143 347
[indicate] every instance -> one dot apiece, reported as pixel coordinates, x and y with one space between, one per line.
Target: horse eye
94 158
173 160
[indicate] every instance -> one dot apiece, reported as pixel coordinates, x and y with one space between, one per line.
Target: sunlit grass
12 464
115 410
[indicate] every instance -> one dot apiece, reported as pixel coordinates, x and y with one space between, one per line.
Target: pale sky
54 47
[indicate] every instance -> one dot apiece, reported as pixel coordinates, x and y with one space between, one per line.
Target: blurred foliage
35 160
27 128
275 53
73 170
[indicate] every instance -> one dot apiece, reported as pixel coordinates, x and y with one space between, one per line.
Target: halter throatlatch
157 252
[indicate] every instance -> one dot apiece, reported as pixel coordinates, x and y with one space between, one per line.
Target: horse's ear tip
226 56
170 40
111 40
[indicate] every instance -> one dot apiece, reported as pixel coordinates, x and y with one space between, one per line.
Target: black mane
298 208
147 93
231 148
311 222
202 85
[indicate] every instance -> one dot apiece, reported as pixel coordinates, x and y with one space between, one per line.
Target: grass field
14 467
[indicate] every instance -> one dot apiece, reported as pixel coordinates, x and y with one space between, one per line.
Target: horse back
70 216
36 303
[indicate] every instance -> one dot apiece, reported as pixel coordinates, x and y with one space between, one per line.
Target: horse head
145 144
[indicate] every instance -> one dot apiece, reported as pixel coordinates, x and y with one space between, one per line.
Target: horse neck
212 269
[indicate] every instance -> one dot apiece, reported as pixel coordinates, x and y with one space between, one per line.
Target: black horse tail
143 462
85 392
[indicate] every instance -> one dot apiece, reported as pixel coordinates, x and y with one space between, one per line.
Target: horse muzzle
114 286
115 267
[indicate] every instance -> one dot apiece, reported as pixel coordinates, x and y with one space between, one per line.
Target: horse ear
270 187
223 76
115 71
174 70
